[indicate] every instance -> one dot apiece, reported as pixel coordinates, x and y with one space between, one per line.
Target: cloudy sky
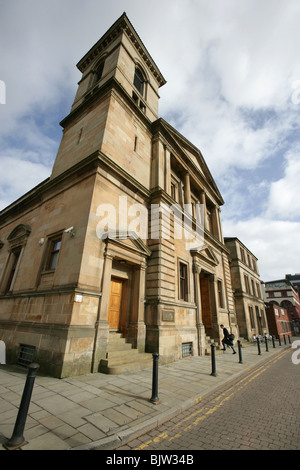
233 89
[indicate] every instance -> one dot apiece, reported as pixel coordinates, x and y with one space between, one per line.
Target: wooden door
115 303
205 302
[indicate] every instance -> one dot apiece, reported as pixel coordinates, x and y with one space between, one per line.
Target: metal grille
187 349
25 354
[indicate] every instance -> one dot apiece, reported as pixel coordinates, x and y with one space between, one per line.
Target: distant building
282 293
246 284
279 321
294 280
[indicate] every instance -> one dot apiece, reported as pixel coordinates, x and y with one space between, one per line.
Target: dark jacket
226 337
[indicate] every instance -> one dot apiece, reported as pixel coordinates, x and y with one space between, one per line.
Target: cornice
83 169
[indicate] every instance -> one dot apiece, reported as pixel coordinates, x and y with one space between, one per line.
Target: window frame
53 253
220 293
139 81
183 291
13 264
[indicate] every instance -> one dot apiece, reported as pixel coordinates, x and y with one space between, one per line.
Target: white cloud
275 244
284 201
19 177
231 69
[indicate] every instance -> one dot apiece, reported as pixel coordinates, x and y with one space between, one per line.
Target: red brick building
279 321
283 294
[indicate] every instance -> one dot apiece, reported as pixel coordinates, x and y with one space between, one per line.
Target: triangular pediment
129 240
206 253
190 153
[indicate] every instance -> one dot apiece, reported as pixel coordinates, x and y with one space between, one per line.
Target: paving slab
99 411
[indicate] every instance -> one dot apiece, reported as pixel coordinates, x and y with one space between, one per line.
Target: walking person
227 340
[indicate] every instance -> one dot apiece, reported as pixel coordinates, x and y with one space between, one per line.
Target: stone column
101 325
187 189
106 287
220 224
167 171
203 202
157 164
214 306
199 324
137 327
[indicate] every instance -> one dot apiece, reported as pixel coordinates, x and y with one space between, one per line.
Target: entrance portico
204 264
123 293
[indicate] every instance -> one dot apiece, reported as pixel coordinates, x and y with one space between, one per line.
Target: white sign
2 353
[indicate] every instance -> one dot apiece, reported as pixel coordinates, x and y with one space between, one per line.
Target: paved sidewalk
98 411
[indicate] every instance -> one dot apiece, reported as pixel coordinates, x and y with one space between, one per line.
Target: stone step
108 368
121 357
121 345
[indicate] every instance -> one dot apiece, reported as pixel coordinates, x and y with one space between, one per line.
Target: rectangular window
53 254
249 262
183 286
263 321
252 323
220 294
25 354
258 290
243 255
173 191
187 349
247 285
253 287
12 269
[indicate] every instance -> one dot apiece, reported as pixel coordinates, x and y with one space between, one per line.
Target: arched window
286 304
99 71
17 240
139 81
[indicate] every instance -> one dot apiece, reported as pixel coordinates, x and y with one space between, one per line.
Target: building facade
282 293
294 280
279 321
125 236
249 302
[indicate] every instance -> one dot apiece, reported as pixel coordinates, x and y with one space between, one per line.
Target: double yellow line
202 413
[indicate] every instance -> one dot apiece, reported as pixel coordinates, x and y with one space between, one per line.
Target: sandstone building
249 302
91 257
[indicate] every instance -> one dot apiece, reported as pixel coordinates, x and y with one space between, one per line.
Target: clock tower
116 99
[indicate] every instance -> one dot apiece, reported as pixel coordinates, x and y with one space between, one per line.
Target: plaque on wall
168 315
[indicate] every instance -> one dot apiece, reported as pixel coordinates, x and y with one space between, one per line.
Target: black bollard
289 338
240 352
258 346
213 360
284 339
154 399
273 341
267 346
17 440
279 340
